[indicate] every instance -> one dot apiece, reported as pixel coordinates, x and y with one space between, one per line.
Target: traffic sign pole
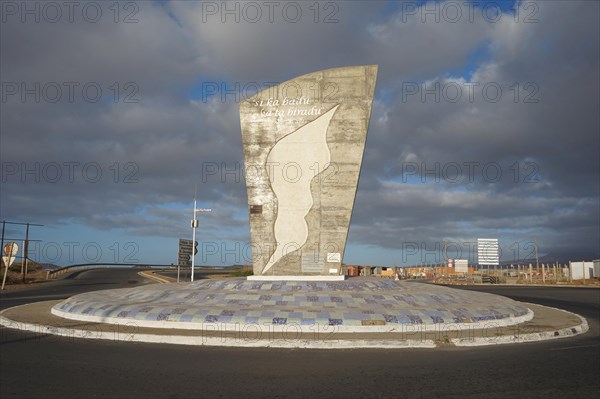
194 224
9 251
25 250
1 261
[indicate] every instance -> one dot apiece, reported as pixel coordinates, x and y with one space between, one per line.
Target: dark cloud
153 136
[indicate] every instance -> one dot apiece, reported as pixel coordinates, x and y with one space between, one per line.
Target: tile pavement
353 302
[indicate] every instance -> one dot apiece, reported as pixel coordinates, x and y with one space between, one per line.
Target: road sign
10 251
488 251
185 251
461 265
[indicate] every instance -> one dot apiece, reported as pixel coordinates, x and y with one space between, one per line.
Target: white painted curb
126 335
530 337
153 277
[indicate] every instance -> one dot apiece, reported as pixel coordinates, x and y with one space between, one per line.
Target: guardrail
62 270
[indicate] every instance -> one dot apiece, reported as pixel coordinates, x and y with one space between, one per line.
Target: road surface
34 366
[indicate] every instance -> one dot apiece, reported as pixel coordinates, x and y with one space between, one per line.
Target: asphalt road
74 283
184 274
34 366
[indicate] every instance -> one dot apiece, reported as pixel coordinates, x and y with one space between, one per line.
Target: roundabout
354 313
113 358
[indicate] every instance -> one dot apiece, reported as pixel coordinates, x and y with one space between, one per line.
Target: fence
542 273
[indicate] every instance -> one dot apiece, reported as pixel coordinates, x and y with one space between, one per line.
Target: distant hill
552 258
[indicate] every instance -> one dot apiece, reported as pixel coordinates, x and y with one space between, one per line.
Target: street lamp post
194 226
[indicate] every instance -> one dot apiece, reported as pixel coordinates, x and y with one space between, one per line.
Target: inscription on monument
312 263
295 107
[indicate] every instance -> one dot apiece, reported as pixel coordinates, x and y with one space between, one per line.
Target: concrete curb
260 339
151 276
531 337
202 340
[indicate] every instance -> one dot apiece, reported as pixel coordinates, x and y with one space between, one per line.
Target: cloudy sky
485 124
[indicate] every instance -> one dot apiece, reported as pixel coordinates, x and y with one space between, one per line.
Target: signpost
185 251
9 253
194 227
186 247
189 248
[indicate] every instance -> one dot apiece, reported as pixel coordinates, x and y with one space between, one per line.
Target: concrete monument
303 147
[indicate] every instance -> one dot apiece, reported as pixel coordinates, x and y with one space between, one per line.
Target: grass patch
241 273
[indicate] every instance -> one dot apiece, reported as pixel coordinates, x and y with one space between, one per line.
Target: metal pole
543 274
26 249
2 254
23 271
2 245
194 223
445 255
537 261
23 266
570 273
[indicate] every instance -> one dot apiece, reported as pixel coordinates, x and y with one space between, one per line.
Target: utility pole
194 227
537 261
2 254
446 271
26 249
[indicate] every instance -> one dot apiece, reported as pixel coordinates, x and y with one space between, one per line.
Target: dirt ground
14 278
